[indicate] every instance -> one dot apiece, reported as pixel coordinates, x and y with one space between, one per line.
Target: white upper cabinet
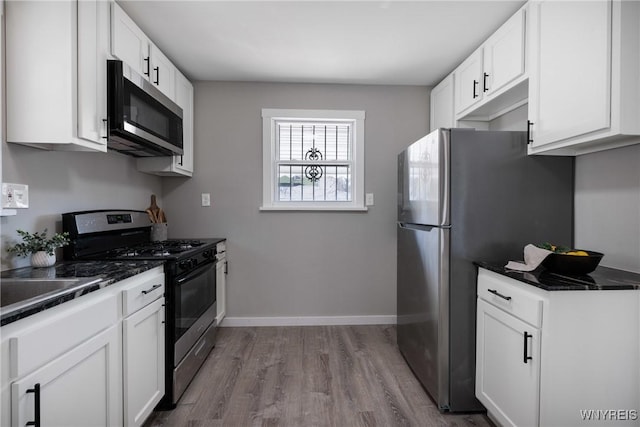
163 73
492 81
584 91
441 110
504 55
131 45
56 74
468 77
180 165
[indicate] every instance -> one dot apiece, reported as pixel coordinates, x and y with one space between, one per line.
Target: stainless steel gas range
190 271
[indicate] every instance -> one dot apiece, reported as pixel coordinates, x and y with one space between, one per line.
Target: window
313 160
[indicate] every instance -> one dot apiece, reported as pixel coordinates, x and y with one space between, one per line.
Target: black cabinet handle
157 70
146 73
529 126
154 287
526 347
475 84
484 82
493 291
36 403
106 125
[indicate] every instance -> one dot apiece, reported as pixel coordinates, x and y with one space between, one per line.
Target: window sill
313 208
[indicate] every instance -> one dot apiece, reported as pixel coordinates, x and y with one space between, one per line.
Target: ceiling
352 42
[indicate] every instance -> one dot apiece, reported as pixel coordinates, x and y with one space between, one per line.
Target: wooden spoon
153 210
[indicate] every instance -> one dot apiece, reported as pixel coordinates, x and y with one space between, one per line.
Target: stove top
167 249
126 235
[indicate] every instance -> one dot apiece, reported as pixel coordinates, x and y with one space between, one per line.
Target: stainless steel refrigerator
465 196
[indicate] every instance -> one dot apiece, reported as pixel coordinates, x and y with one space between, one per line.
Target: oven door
195 307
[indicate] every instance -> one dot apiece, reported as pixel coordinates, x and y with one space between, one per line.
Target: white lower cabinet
80 388
221 281
97 360
507 382
557 358
143 362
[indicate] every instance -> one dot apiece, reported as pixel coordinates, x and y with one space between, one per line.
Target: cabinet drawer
47 339
142 292
507 295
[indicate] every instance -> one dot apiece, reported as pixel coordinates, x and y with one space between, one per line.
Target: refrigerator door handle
445 188
421 227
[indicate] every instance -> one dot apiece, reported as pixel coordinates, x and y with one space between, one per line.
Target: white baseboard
309 321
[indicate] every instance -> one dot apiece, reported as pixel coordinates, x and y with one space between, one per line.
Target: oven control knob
185 265
208 254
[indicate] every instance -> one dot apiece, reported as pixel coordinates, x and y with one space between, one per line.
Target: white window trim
269 203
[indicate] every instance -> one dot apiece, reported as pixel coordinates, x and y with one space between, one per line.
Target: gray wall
291 264
608 206
607 199
62 181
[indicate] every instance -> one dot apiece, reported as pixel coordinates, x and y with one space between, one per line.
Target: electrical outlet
368 200
206 199
15 196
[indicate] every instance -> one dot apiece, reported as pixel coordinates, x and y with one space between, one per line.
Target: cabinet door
163 72
468 82
184 99
128 42
507 384
181 165
80 388
93 52
570 77
504 55
221 290
143 362
442 104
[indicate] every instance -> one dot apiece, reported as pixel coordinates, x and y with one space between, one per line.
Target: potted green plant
39 247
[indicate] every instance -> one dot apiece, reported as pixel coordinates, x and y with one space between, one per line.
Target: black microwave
142 121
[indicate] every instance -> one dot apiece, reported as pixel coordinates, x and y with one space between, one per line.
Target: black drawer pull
493 291
526 347
475 84
153 288
36 403
484 82
146 73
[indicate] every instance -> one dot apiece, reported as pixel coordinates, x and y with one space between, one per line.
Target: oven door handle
199 272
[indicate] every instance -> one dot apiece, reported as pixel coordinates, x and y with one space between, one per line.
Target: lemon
578 253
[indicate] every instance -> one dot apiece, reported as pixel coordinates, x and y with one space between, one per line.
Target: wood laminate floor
307 376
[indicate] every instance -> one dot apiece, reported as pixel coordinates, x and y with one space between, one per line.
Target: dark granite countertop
109 272
602 278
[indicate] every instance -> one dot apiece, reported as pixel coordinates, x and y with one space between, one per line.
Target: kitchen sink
21 292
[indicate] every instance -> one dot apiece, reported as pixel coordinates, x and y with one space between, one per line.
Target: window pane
313 141
324 183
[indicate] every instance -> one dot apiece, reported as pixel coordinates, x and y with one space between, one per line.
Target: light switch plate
206 199
368 199
15 196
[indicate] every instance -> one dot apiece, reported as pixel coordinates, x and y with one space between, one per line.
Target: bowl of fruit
573 262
